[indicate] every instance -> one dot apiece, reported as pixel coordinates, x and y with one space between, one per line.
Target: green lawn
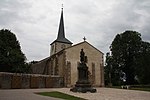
134 88
56 94
141 89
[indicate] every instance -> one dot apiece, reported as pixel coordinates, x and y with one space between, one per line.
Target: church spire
61 32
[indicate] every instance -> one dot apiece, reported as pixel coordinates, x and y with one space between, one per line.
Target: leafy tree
143 64
11 57
108 70
129 60
125 48
112 73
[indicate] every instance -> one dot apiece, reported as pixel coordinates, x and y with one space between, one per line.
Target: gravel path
102 94
111 94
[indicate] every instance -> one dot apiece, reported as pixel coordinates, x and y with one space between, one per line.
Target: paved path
24 94
102 94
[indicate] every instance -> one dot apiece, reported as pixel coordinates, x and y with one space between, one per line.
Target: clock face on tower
63 46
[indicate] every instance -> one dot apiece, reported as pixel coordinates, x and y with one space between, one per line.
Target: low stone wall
18 81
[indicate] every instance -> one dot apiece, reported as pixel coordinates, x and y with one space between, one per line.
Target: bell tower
61 42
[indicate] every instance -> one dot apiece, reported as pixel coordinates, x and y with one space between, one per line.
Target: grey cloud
124 16
100 27
9 11
36 22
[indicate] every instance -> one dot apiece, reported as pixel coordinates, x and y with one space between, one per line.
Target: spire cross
84 38
62 6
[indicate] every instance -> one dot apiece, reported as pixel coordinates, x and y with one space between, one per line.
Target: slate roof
61 32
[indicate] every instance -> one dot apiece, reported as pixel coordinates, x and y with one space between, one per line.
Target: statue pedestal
83 88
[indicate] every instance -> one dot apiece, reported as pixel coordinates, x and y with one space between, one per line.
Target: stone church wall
95 58
58 46
61 64
18 81
40 67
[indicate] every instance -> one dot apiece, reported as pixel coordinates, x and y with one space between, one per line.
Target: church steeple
61 32
61 42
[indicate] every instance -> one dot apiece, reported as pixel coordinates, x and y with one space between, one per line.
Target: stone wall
58 46
18 81
40 67
94 58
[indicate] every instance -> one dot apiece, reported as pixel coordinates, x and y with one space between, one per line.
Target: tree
125 48
143 64
12 58
112 73
108 69
129 59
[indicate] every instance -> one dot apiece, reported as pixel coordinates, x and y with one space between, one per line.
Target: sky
35 22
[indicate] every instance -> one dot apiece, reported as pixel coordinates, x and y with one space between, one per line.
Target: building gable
94 61
85 43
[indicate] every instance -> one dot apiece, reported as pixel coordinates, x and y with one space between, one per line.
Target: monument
83 84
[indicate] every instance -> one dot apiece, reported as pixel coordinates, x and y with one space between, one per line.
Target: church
64 59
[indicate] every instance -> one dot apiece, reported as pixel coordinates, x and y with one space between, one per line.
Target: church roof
88 44
61 32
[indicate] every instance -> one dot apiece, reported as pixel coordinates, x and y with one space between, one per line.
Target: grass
141 89
56 94
133 88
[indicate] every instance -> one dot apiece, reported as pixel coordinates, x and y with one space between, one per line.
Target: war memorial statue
83 84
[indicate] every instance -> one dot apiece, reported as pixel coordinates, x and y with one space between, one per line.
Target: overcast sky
35 22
